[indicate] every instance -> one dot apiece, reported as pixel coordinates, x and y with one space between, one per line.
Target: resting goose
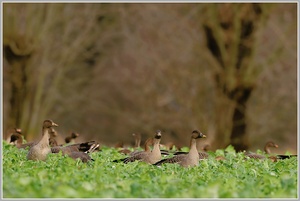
82 147
186 160
267 150
40 150
79 150
147 155
11 132
16 138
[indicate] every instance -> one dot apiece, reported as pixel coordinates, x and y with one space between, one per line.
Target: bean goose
52 141
147 155
202 155
71 138
267 150
40 150
17 140
79 150
82 147
186 160
11 132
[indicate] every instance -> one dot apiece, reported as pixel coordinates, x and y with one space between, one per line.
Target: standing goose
147 155
40 150
186 160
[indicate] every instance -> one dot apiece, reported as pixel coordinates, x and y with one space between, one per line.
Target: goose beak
54 124
276 146
203 136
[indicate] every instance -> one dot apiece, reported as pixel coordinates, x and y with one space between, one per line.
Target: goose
267 150
202 154
11 132
52 141
71 138
41 149
137 140
268 145
16 139
147 155
83 156
77 151
81 147
186 160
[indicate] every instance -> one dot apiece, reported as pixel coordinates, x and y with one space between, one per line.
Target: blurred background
107 70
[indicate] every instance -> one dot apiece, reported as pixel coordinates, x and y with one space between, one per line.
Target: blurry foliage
108 70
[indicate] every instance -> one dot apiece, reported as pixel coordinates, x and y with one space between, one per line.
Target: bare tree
45 44
232 32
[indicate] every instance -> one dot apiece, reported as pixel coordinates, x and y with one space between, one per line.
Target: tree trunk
230 40
238 137
18 60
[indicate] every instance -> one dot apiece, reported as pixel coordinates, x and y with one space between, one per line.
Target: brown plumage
79 150
11 132
137 142
186 160
52 141
84 157
147 155
267 150
147 148
202 155
41 149
16 139
71 138
82 147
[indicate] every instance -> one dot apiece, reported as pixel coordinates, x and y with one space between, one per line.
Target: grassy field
63 177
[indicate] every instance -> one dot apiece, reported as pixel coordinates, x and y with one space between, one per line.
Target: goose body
267 150
186 160
40 150
79 150
147 155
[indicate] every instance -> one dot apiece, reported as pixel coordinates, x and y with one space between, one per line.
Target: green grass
63 177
